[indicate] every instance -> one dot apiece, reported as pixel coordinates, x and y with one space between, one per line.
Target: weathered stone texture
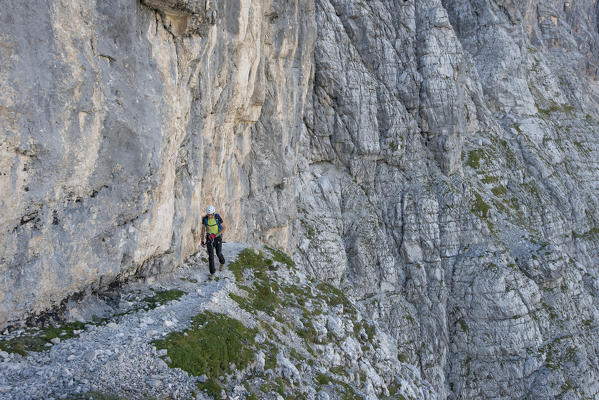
449 180
121 121
437 159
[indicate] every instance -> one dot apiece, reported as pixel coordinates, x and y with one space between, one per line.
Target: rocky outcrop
448 182
261 329
121 121
436 159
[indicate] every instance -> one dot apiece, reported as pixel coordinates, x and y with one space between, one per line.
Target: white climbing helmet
210 210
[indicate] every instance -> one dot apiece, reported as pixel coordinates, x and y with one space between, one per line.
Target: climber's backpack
218 220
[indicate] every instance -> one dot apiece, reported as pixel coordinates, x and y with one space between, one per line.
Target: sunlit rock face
436 159
122 121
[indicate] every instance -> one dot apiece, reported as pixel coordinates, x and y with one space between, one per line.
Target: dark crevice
28 218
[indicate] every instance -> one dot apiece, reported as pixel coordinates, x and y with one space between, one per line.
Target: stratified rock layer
122 121
437 159
449 180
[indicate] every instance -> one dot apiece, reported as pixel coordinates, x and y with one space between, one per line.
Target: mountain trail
117 353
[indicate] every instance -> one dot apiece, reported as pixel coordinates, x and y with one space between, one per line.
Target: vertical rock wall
122 120
437 159
449 182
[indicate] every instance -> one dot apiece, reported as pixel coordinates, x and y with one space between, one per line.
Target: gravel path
117 357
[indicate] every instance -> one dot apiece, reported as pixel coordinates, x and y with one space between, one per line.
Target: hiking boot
211 277
222 266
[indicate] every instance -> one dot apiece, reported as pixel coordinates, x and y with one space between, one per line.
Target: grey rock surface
122 121
449 181
118 356
435 159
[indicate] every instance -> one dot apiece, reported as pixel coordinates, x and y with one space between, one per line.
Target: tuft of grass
36 340
517 128
265 297
250 259
593 232
281 257
210 346
243 303
479 207
474 157
270 361
499 190
323 379
555 107
489 179
212 387
308 332
162 297
335 297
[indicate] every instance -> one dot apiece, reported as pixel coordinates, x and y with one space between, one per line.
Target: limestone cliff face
122 121
437 159
449 180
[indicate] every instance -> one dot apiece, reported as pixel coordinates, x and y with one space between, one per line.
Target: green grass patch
212 387
499 190
250 259
517 128
308 332
339 370
209 346
334 297
281 257
345 391
163 297
322 379
264 293
36 339
265 297
295 355
489 179
310 230
479 207
369 329
243 303
474 157
590 234
270 360
555 107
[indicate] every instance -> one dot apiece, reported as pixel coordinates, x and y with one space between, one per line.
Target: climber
213 228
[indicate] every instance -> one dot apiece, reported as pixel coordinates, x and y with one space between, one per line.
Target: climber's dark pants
210 246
